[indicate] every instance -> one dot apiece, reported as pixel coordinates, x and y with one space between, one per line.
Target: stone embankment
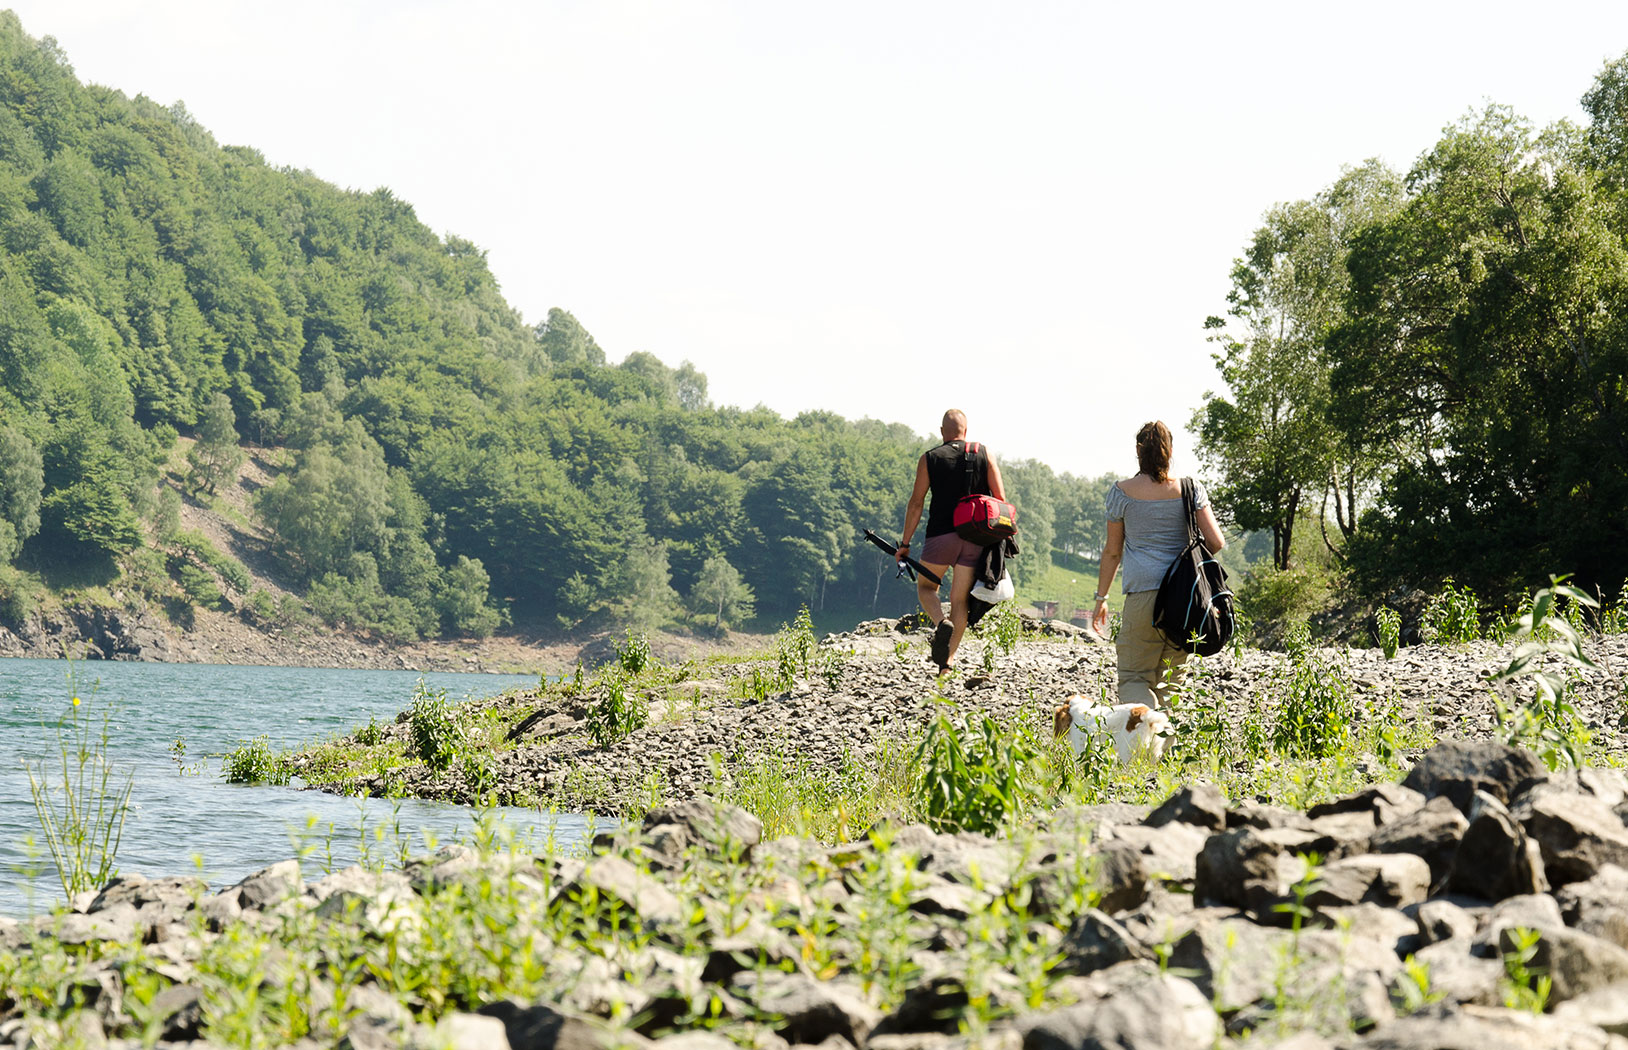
874 687
1480 905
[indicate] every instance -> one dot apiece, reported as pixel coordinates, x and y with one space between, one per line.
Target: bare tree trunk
1283 533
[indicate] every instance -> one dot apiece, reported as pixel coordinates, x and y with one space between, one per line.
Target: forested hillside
1428 373
443 464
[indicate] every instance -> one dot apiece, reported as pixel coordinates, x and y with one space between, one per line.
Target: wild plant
434 733
1198 712
885 884
633 655
479 772
1582 617
1088 775
178 755
1415 991
79 801
974 777
1549 721
1319 702
1453 616
986 660
1525 988
761 684
1388 625
1298 912
794 647
254 762
652 794
901 651
1614 617
1548 725
617 713
1007 626
832 664
370 735
1387 731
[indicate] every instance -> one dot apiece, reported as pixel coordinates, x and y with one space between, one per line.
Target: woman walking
1147 529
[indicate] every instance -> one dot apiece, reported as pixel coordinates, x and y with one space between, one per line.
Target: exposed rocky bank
1480 905
119 633
874 687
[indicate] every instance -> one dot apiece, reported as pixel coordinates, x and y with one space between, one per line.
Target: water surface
190 821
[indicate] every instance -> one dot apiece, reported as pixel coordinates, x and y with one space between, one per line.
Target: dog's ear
1137 713
1062 718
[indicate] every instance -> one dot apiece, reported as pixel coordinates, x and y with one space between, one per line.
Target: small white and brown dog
1137 731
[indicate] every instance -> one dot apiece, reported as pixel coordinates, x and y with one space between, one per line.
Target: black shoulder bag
1194 607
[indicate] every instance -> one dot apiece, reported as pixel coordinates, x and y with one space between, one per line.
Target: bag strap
969 463
1189 496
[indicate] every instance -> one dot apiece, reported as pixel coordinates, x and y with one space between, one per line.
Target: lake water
193 822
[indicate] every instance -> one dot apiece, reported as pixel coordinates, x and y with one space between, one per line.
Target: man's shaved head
954 425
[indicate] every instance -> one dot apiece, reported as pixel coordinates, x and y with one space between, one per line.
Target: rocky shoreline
118 633
873 687
1480 905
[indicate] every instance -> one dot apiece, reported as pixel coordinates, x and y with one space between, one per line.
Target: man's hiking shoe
941 643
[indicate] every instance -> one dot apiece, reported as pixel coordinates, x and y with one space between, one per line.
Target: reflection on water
184 819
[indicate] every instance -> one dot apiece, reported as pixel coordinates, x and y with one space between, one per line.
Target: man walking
943 471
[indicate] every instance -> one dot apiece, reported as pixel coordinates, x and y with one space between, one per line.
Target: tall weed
794 648
975 776
1388 625
633 655
1453 616
1550 655
254 762
1614 617
1319 702
434 733
618 712
79 800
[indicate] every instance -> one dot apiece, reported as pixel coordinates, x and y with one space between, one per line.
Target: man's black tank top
947 481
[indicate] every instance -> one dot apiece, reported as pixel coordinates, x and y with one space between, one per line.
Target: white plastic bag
994 595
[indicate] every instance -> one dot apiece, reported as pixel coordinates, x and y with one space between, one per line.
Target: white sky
882 209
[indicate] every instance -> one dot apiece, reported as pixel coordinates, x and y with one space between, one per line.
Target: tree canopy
1442 360
444 465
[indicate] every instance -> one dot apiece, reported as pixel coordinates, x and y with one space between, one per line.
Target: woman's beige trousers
1149 666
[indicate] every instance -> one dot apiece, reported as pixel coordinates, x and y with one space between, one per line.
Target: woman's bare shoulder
1144 487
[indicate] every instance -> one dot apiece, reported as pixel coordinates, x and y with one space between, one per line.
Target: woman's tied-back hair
1153 450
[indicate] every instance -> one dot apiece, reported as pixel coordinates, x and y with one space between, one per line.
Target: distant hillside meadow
439 465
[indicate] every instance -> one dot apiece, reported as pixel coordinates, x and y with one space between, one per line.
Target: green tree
1271 443
86 503
1030 485
565 342
22 480
721 593
1081 519
464 604
333 504
1487 343
648 599
216 454
799 530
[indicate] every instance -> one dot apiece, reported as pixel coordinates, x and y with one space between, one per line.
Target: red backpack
981 519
